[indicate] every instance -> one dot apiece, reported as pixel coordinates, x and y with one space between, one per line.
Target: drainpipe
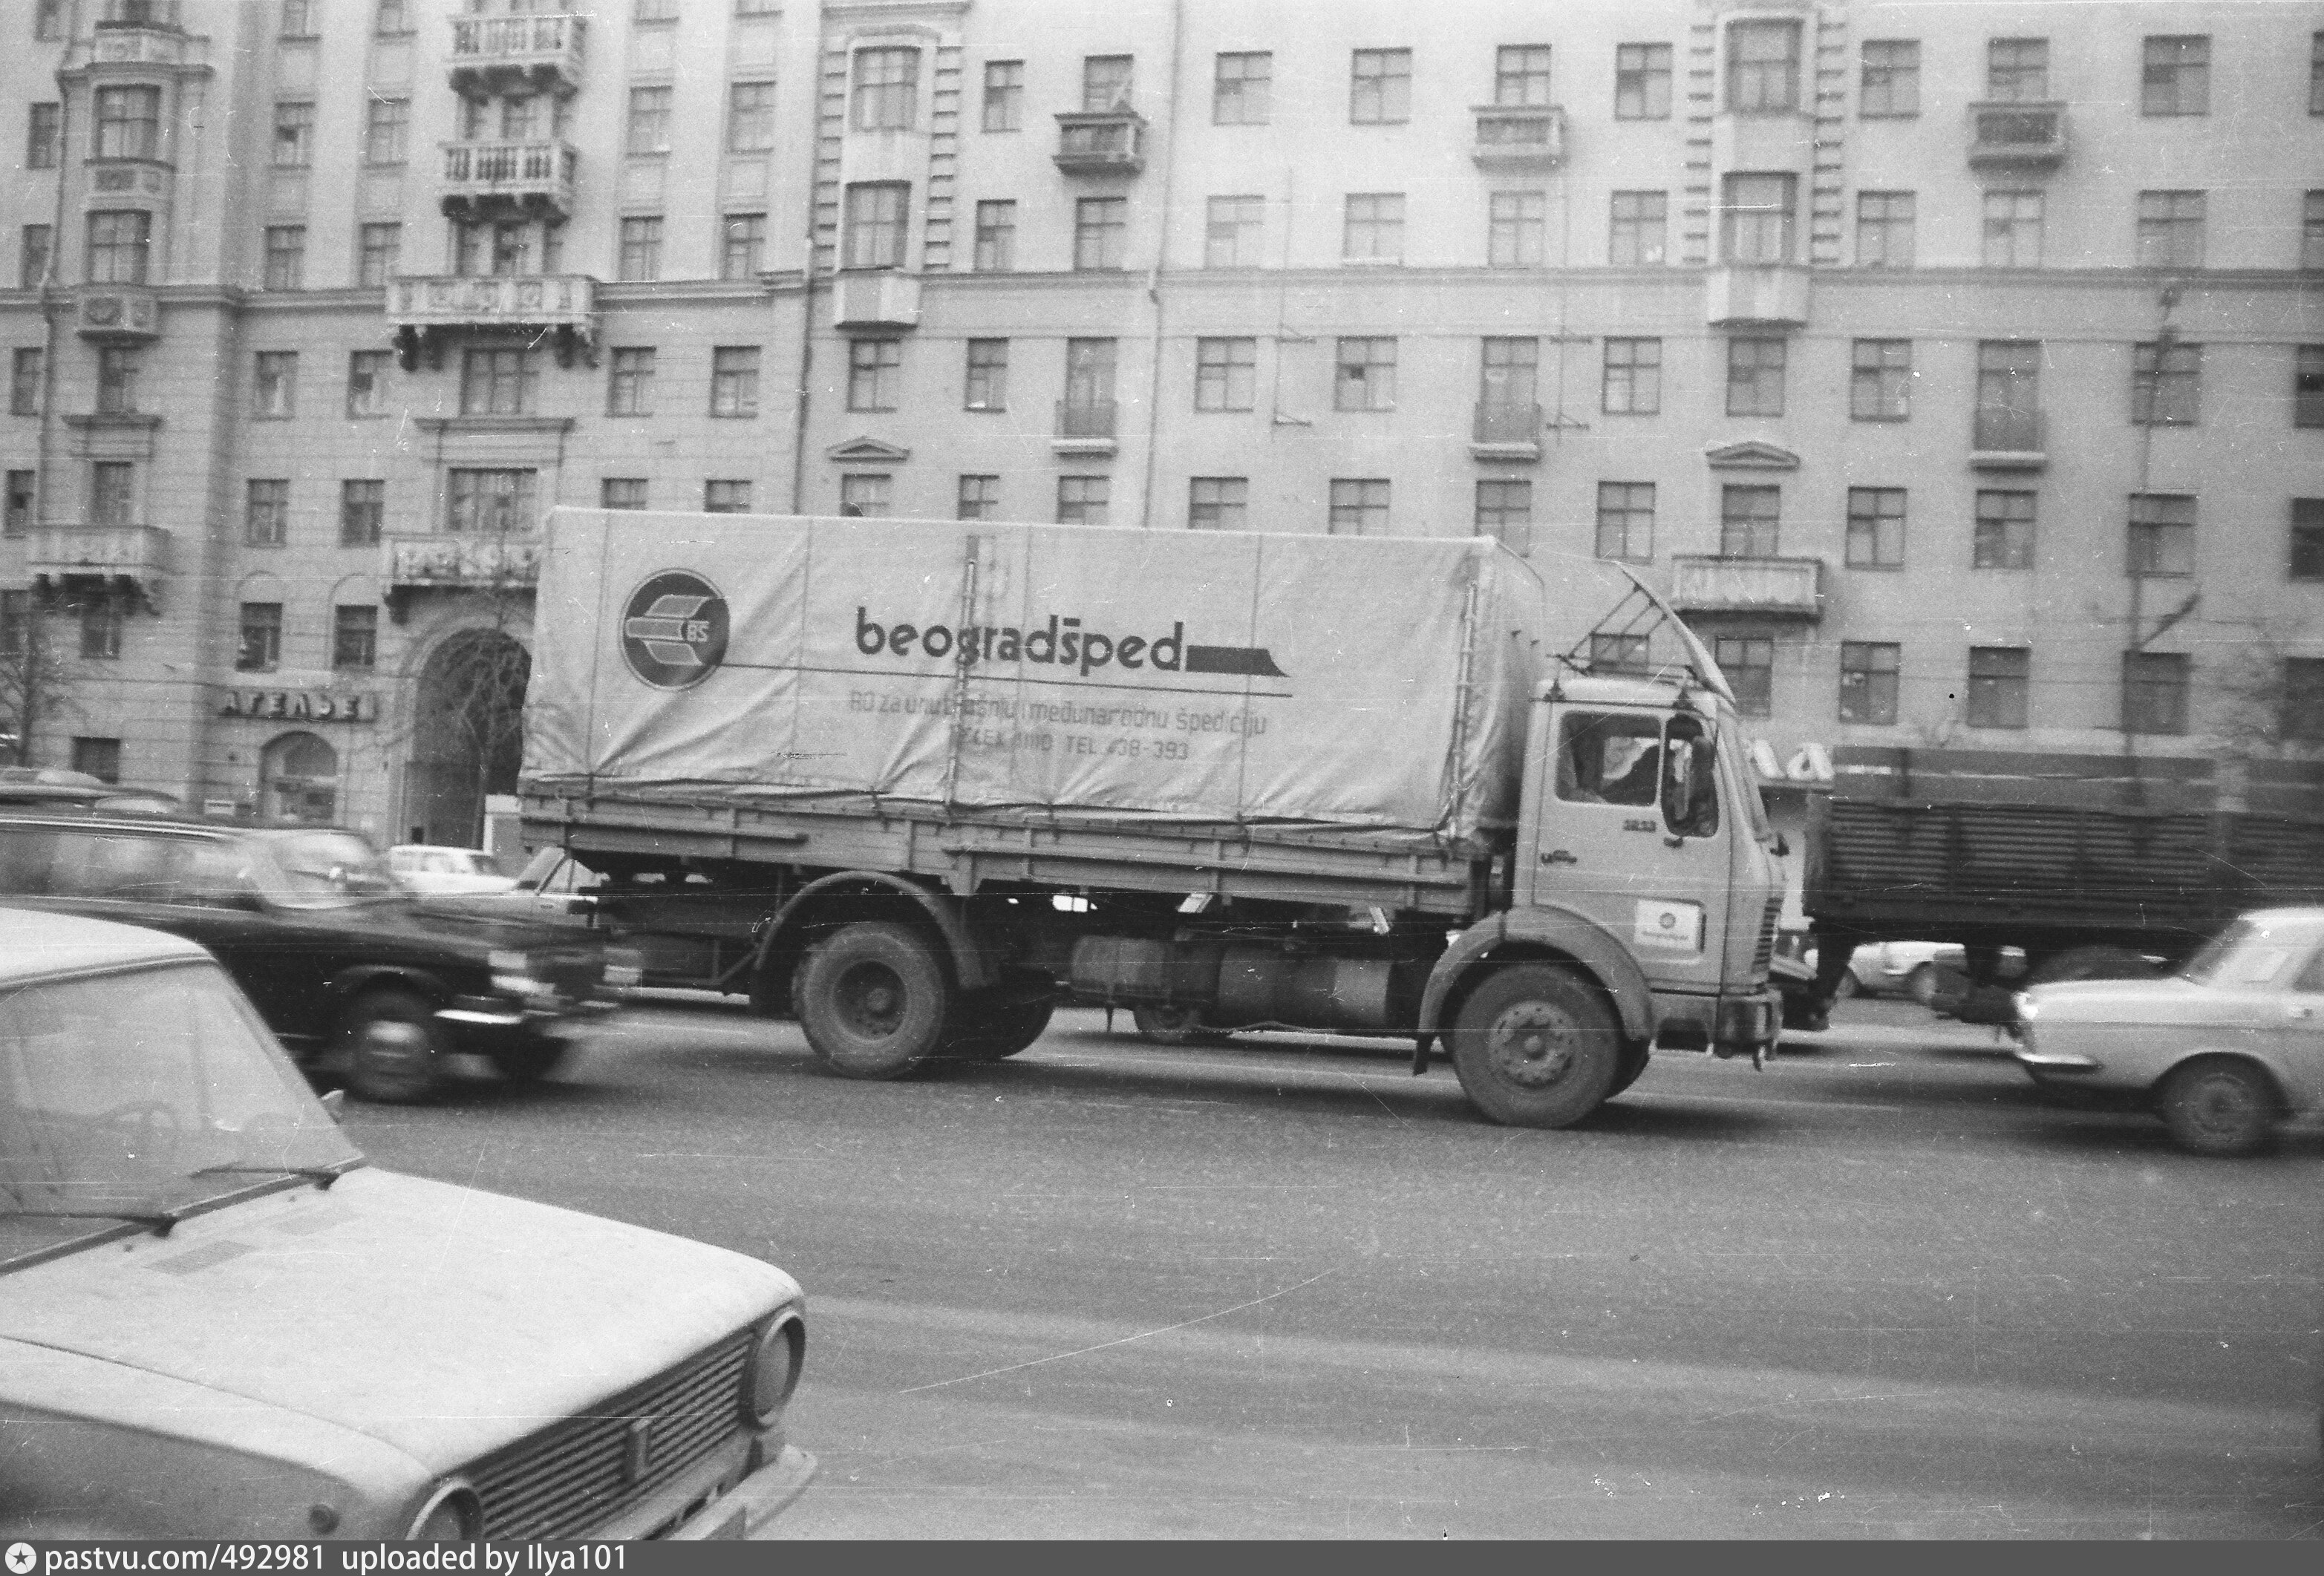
800 404
1161 256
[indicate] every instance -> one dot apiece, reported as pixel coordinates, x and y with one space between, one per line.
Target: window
128 123
1755 377
2009 396
979 498
100 638
2161 535
1868 681
25 369
2177 78
512 245
2302 720
387 124
1374 228
99 758
875 225
1517 229
649 128
367 383
641 248
1997 680
2166 384
40 127
1218 503
34 246
355 639
743 246
996 237
2154 692
1762 66
1880 379
1359 507
1755 224
1226 374
1640 227
1883 229
116 379
1379 87
294 135
1242 91
864 494
363 510
113 492
286 257
1105 84
2312 231
1101 224
2004 532
298 18
1892 78
1748 661
390 17
750 118
1004 107
497 382
261 650
874 369
621 493
378 251
1875 528
886 90
652 11
1625 520
726 496
735 380
496 503
1642 81
1505 511
1232 233
2316 74
118 242
1631 654
1521 76
1509 374
2017 69
2308 386
2012 229
988 376
1365 375
1634 377
1747 521
266 516
17 503
274 383
1089 381
1083 500
2170 229
629 390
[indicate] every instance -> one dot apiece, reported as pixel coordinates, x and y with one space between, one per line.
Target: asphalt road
1884 1287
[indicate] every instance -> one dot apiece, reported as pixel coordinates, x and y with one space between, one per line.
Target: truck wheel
982 1033
872 1001
1535 1046
394 1051
529 1061
1635 1055
2219 1106
1175 1026
2091 962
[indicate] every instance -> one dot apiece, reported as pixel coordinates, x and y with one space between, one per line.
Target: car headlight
773 1372
624 967
2025 1005
449 1515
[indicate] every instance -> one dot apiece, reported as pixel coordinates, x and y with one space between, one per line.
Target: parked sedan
2223 1050
430 870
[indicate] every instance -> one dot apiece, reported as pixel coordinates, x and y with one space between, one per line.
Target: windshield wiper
322 1176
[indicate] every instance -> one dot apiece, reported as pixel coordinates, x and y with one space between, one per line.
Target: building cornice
461 426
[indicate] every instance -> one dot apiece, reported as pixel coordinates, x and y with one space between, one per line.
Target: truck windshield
125 1096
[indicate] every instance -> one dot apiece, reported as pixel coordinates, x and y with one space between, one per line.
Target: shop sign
302 706
1810 764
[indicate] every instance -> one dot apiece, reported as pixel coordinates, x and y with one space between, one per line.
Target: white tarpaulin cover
1343 682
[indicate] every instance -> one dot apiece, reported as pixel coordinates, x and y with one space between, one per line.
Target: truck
946 776
2093 865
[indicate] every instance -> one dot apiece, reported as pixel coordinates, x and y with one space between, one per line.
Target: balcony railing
132 557
2016 135
484 179
137 13
517 54
2009 440
1506 432
121 314
1084 426
423 311
1773 587
1510 138
454 562
1101 143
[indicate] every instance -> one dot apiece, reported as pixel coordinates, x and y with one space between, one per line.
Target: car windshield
2247 953
134 1094
483 864
326 870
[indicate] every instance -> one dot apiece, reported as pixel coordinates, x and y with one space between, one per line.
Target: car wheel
1175 1026
1535 1046
2219 1106
530 1062
395 1051
979 1033
872 1001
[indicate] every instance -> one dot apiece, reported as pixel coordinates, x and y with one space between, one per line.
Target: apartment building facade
1960 373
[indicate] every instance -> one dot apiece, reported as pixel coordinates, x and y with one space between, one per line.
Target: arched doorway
301 777
467 736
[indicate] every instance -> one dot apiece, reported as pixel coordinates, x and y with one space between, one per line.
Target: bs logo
674 630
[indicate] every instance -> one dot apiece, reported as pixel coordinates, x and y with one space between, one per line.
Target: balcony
409 564
489 180
1768 587
161 16
2016 136
1510 138
113 559
881 298
1101 143
1756 295
499 55
425 312
1506 432
1084 426
2009 440
117 314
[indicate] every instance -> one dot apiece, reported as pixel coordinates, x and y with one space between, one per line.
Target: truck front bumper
1749 1026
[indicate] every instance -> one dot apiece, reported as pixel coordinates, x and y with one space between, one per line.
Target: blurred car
2222 1051
1917 969
60 787
346 968
218 1320
432 871
552 888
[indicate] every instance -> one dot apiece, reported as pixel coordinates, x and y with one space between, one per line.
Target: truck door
1630 829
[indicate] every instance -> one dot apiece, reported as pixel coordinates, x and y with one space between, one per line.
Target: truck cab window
1691 779
1608 758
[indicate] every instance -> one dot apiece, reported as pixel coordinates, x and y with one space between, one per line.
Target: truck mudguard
968 964
1575 935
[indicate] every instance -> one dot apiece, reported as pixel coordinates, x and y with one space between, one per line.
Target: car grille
577 1474
1766 951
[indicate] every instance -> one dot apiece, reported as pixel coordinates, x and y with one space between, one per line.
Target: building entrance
467 737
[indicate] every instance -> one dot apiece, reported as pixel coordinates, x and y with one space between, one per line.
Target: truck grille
1765 953
577 1474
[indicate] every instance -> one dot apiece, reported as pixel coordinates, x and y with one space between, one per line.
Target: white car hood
437 1320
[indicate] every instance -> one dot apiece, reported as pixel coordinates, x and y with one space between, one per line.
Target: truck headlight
773 1371
449 1515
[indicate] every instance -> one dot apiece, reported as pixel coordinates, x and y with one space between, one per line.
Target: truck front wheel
872 1001
982 1032
1535 1046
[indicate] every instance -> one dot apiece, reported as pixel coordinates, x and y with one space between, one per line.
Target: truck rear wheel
982 1032
1535 1046
872 1001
